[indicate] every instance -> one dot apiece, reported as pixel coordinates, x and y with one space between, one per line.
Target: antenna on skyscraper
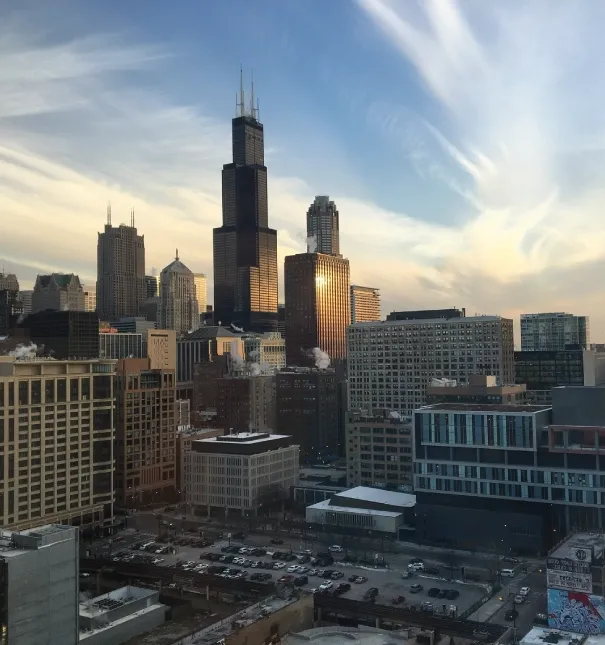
109 213
242 103
252 97
132 217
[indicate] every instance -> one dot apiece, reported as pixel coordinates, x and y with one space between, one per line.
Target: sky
463 142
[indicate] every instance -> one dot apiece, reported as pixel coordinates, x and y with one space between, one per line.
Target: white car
416 566
524 591
335 548
157 560
243 550
519 599
324 586
292 569
279 565
239 560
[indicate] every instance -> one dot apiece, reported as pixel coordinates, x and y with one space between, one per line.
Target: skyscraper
245 248
58 292
120 270
178 304
322 227
365 304
318 308
554 332
201 292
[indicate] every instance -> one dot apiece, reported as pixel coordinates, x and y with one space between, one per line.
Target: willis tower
245 248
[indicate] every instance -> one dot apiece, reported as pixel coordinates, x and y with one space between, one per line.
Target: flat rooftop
245 437
508 408
458 320
548 636
107 602
327 506
594 542
378 496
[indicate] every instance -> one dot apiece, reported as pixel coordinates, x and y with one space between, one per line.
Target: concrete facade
365 304
59 292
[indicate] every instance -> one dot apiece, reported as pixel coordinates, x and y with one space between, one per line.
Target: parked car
416 588
433 592
519 599
509 558
352 578
427 606
415 566
442 593
416 561
276 541
360 579
397 600
335 548
341 588
407 574
452 594
301 580
337 575
431 570
524 591
286 579
371 593
324 586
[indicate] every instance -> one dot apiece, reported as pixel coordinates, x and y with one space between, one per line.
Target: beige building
267 351
161 348
57 421
201 291
184 438
178 304
58 291
365 304
379 450
480 388
90 297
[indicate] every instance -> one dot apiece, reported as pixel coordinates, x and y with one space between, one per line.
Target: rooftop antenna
132 217
109 213
252 111
257 110
177 255
242 103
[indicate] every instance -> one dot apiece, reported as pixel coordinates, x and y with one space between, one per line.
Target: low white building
241 471
120 615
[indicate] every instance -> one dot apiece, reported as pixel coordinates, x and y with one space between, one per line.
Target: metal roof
377 495
326 505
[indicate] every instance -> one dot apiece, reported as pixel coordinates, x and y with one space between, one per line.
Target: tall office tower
322 227
281 319
58 292
152 286
245 248
318 306
145 433
201 291
178 304
365 304
26 300
90 297
10 305
9 282
64 334
57 429
392 363
307 405
120 270
554 332
39 586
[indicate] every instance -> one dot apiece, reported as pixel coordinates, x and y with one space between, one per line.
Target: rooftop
326 505
508 408
378 495
94 607
207 332
594 543
548 636
463 320
246 437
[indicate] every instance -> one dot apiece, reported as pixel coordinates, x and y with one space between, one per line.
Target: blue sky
462 141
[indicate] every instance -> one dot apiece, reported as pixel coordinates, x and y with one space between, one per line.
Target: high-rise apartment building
392 363
379 450
57 425
318 306
39 586
58 292
245 248
121 286
201 291
365 304
64 334
90 297
307 406
322 227
554 332
145 448
178 303
26 300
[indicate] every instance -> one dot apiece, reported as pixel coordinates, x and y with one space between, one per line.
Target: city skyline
468 187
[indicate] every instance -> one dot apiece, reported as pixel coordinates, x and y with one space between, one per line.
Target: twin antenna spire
109 215
241 109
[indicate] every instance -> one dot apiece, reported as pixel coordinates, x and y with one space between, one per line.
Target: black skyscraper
245 248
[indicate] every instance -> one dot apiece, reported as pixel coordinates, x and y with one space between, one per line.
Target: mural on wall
576 611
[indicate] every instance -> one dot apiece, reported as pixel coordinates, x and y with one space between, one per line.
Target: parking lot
273 562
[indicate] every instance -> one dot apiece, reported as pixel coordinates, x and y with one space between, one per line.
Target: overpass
167 575
468 629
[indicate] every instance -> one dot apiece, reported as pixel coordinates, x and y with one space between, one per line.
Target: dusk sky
463 142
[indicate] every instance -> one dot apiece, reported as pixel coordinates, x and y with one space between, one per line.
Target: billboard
569 580
567 564
576 611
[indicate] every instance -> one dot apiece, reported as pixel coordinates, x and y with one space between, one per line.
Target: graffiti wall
576 611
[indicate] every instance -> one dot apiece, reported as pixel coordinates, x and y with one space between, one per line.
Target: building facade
392 363
58 427
365 304
58 292
25 298
185 436
161 349
121 285
480 388
64 334
152 286
201 291
318 306
554 332
268 350
307 406
379 450
541 371
178 303
39 585
241 472
145 448
90 297
262 403
116 345
323 230
245 248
